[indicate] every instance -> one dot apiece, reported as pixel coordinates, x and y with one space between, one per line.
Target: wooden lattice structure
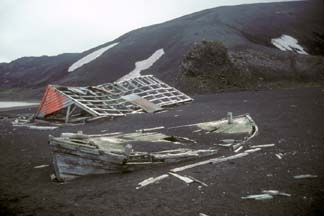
144 93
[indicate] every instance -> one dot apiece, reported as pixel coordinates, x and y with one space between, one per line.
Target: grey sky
51 27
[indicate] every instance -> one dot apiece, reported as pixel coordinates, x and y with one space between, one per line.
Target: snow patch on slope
90 57
143 65
288 43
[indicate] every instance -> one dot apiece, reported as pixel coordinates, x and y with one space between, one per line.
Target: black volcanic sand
292 119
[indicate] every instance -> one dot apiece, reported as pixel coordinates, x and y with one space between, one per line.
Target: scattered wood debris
238 149
305 176
210 161
150 129
37 127
252 150
279 156
53 177
151 180
266 195
41 166
185 179
198 181
263 146
276 193
226 145
228 141
27 124
258 197
182 154
188 179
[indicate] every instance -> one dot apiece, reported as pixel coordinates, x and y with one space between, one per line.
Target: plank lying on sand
210 161
151 180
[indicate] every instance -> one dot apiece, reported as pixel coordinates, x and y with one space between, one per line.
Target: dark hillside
245 30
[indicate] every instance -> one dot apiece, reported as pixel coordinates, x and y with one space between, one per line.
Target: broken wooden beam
210 161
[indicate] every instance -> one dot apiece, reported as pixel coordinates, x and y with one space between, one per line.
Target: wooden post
67 114
230 118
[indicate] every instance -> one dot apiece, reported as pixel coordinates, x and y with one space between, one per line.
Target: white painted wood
210 161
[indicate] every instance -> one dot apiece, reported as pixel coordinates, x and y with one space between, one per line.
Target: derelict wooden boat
78 154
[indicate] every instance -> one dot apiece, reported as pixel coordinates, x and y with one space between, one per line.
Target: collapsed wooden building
76 104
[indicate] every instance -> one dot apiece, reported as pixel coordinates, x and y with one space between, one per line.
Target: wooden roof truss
109 99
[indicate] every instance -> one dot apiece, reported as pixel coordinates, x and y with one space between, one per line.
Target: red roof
52 101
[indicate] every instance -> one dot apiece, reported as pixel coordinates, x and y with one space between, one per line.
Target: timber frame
73 104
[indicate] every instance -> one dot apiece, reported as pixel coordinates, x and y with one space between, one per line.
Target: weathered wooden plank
146 105
67 114
210 161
